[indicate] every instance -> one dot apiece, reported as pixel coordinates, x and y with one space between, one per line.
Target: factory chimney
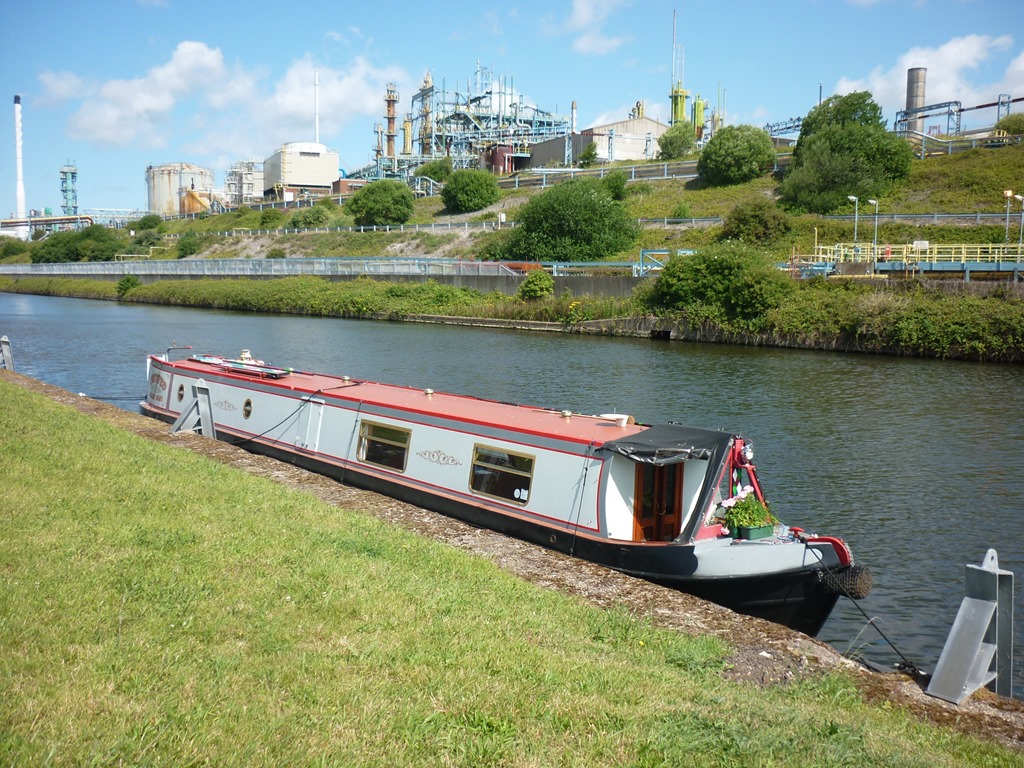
316 106
20 190
915 96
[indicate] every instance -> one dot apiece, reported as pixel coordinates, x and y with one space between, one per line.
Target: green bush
94 243
147 238
276 253
127 283
436 170
271 218
588 157
757 220
615 183
729 282
538 285
149 221
381 203
1013 124
576 220
11 246
735 154
677 142
470 190
188 244
682 211
310 218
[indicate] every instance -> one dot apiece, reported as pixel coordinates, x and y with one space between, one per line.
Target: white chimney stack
316 104
21 212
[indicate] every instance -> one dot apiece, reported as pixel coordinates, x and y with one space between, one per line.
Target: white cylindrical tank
164 182
915 96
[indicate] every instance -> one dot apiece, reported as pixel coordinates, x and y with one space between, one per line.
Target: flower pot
757 532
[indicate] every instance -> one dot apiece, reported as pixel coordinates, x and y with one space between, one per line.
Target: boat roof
665 444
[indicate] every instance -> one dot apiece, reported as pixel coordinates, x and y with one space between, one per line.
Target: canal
916 463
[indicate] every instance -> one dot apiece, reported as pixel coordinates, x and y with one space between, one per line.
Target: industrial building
487 123
300 169
635 138
177 188
243 184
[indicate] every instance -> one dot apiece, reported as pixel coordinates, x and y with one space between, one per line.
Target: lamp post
1008 194
856 204
874 239
1020 232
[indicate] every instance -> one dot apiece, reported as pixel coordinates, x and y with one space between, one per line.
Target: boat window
497 472
383 445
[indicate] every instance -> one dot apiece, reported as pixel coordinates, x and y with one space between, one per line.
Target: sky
115 87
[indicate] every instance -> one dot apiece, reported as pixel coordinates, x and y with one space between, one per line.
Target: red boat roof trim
541 422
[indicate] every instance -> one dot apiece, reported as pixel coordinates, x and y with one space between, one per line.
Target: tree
857 108
437 170
188 244
839 161
735 154
678 141
1012 124
380 203
94 243
149 221
615 183
312 217
588 157
470 190
576 220
737 282
757 220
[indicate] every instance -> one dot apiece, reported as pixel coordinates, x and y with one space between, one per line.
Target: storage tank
165 182
915 96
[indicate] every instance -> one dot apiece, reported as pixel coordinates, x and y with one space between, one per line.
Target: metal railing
964 253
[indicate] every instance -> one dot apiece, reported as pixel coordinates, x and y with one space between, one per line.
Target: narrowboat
646 500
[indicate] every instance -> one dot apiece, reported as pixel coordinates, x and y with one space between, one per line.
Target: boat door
308 429
657 502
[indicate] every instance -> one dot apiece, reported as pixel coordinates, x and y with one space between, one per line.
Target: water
917 464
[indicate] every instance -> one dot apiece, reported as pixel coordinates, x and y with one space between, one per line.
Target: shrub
147 238
308 218
188 244
576 220
470 190
94 243
678 141
735 154
538 285
588 157
149 221
380 203
755 221
615 183
437 170
271 218
1013 124
736 282
127 283
11 246
276 253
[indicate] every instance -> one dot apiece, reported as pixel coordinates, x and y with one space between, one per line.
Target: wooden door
656 504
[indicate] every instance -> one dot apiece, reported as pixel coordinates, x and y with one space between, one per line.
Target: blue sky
117 86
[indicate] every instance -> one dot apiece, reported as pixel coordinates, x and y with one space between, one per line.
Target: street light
874 239
853 199
1020 236
1008 194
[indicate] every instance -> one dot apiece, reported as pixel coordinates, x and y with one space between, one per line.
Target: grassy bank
159 608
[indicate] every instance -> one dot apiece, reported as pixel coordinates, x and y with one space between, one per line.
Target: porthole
247 409
181 392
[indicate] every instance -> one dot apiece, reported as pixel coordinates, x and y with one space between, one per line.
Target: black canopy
670 444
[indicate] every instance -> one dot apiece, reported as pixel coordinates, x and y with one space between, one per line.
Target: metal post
856 205
1020 230
1008 194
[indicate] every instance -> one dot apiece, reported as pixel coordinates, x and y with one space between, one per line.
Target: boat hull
797 598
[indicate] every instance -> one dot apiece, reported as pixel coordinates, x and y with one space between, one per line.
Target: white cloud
585 22
952 74
137 111
59 87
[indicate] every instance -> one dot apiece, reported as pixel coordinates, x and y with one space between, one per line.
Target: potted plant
747 517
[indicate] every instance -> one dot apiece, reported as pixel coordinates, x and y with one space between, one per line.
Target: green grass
162 609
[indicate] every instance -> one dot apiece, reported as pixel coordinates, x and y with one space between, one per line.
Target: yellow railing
920 253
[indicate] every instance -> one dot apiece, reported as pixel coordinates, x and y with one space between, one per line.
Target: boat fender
842 551
854 582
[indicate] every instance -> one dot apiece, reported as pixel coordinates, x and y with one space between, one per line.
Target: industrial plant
483 122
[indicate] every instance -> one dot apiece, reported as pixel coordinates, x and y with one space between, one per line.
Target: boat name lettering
440 457
224 405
